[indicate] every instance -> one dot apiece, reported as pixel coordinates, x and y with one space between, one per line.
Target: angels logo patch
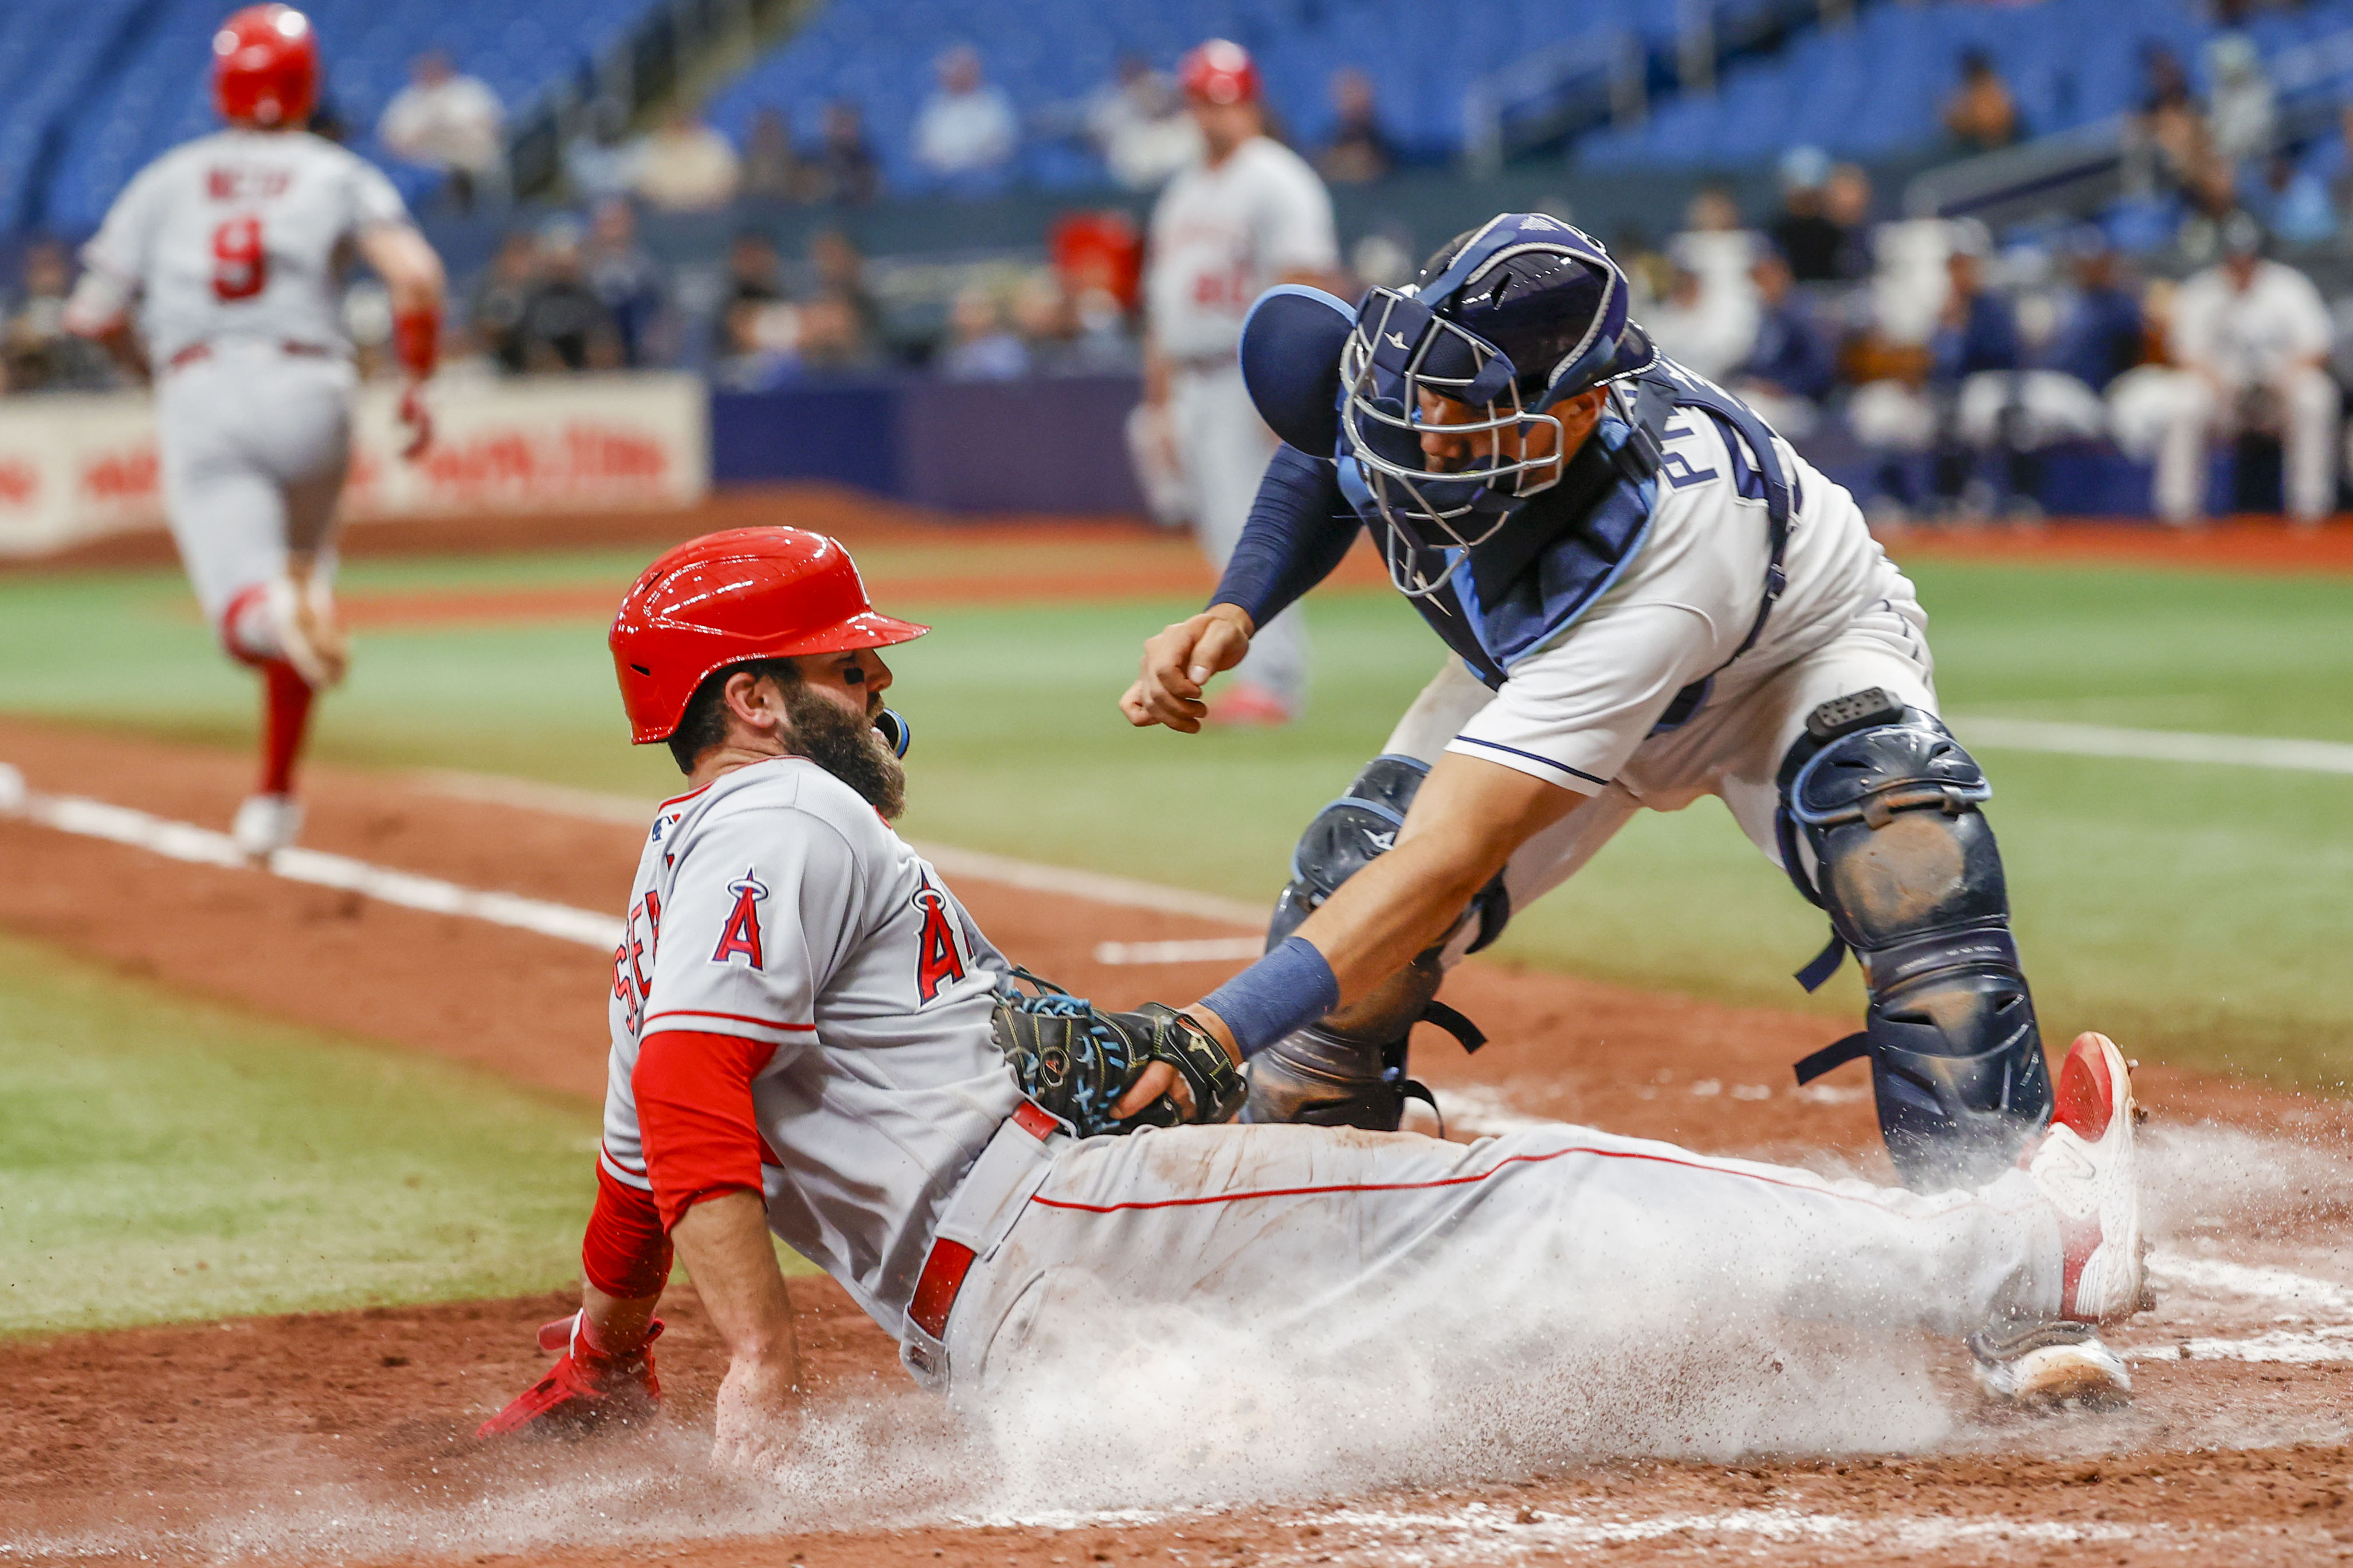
742 935
938 962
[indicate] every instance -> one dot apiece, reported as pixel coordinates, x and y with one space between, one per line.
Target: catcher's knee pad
1348 1069
1908 872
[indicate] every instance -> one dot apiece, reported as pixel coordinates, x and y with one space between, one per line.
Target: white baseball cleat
265 824
2050 1363
2087 1170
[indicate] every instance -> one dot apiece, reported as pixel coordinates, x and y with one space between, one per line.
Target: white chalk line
202 846
2154 745
1478 1110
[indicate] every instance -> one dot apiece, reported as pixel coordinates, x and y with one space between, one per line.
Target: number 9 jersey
240 234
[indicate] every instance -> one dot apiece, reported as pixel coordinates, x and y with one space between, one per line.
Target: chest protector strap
1658 394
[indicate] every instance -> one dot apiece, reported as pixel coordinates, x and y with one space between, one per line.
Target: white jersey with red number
1221 236
776 906
240 235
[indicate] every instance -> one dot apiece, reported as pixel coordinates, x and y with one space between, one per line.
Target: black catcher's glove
1077 1062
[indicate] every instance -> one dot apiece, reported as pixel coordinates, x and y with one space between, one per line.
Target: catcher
811 1039
1648 597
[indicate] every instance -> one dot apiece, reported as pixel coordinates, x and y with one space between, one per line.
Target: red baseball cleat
584 1389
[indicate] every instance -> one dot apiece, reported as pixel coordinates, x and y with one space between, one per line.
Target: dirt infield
343 1438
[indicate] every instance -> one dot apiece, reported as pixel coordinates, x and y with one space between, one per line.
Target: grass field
2199 910
165 1158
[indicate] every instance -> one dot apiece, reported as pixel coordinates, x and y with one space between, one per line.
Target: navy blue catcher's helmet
1508 321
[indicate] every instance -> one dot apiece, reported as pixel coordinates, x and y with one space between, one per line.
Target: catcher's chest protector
1567 547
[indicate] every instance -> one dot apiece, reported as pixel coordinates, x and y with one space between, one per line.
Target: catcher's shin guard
1909 874
1348 1069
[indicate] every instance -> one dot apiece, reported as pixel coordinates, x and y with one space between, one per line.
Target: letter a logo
743 933
937 960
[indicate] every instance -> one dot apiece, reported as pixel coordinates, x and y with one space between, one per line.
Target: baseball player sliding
811 1038
1249 216
229 249
1648 597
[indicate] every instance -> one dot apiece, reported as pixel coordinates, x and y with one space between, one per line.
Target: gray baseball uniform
231 244
774 908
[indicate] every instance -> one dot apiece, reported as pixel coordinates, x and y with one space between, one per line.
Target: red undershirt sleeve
694 1110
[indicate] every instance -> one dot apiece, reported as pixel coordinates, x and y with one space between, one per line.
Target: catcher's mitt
1077 1062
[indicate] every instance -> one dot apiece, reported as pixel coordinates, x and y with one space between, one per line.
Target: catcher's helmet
266 67
745 594
1220 71
1511 319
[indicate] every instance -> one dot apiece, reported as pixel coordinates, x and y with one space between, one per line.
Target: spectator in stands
833 338
1138 122
450 122
1846 201
845 173
1716 246
842 274
2169 124
500 298
1810 245
980 346
2100 334
2244 113
2252 337
624 279
1702 325
564 326
1788 369
1981 115
686 166
772 165
600 161
1359 152
36 352
966 130
755 280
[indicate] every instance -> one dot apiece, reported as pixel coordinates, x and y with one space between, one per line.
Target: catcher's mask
1509 320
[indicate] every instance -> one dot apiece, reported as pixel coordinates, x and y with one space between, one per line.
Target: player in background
1249 216
217 273
812 1039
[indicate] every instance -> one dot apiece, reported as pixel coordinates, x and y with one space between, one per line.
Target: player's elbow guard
416 339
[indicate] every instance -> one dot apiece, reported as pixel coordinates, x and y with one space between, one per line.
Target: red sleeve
626 1250
694 1113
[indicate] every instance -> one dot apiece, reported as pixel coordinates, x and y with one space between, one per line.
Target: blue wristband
1288 989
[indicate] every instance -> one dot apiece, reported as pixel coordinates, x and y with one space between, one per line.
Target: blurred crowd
1950 367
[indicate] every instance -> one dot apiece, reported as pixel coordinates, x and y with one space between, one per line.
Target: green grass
2198 910
165 1158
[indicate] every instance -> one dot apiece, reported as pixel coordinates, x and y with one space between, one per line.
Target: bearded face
847 746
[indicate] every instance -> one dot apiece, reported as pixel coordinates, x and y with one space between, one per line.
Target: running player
224 256
1249 216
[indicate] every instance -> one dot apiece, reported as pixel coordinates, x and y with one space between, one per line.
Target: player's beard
847 746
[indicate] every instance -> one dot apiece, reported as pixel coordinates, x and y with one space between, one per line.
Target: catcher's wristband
1283 992
416 341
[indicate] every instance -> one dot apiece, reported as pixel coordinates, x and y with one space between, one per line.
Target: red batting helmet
266 67
746 593
1220 71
